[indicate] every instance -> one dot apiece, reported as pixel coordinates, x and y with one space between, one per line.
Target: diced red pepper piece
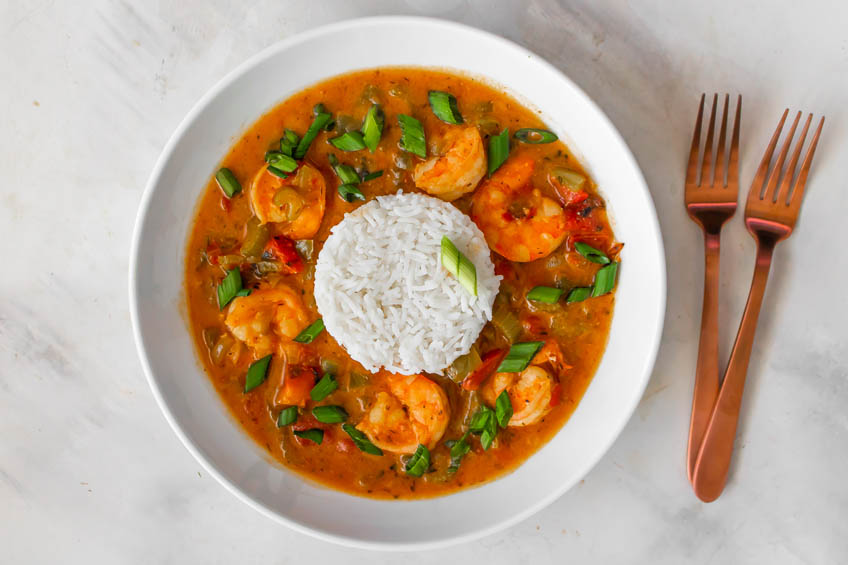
556 395
574 222
283 249
491 360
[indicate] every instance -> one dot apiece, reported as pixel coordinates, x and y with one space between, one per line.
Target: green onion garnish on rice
459 266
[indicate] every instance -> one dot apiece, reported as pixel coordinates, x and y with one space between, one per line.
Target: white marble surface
89 469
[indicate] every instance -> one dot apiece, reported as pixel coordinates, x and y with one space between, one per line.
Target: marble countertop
89 469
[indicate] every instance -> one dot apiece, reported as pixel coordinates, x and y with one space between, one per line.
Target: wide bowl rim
144 205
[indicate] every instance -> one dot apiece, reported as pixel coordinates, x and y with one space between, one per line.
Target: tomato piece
577 223
568 196
284 251
556 395
491 360
297 383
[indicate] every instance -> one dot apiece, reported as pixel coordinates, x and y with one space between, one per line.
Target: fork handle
713 461
706 370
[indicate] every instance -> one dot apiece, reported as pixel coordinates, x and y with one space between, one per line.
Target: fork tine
721 161
759 178
786 183
733 167
708 148
778 165
692 167
798 192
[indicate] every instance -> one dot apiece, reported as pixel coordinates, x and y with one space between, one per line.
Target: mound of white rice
384 295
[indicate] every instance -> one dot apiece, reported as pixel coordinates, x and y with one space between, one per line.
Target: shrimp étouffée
458 170
517 220
413 411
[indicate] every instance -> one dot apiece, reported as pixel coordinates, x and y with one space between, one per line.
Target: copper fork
710 201
770 216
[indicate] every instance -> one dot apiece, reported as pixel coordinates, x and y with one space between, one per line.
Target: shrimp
458 170
296 203
413 411
529 391
533 391
517 221
267 317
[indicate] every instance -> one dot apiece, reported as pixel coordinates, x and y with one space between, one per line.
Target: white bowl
189 400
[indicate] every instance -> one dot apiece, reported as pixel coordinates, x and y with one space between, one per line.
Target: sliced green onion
329 414
277 172
289 142
467 274
229 287
228 182
480 420
372 176
459 265
350 192
243 292
484 424
361 440
319 108
314 128
444 106
503 409
287 417
458 449
605 279
347 174
579 294
323 388
590 253
372 127
349 141
546 294
256 373
350 178
419 462
450 256
535 135
311 332
412 136
314 435
498 150
281 161
519 356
